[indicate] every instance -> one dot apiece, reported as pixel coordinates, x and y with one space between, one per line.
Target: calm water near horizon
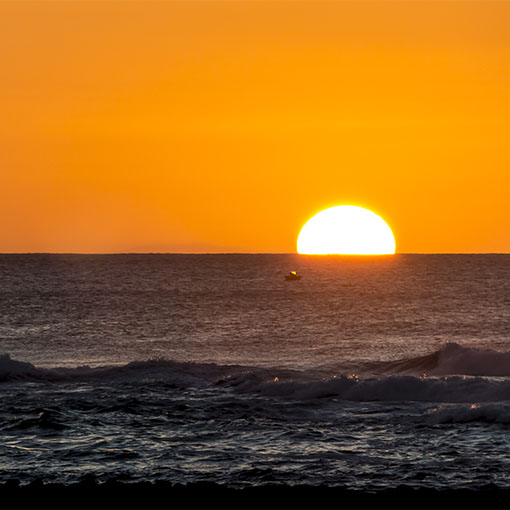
368 373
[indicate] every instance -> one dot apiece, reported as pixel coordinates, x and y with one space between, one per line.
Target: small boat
292 276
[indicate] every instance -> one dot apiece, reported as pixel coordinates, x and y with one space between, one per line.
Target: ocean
369 373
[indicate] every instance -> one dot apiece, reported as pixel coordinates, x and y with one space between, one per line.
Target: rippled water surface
367 373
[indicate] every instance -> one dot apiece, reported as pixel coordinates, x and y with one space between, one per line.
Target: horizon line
249 253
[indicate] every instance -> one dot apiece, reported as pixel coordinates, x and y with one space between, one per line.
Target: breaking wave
453 374
487 413
452 359
170 371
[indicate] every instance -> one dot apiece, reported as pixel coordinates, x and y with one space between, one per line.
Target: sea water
368 373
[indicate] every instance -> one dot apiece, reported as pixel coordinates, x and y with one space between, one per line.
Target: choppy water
367 373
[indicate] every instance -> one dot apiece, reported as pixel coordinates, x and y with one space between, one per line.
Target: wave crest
452 359
400 382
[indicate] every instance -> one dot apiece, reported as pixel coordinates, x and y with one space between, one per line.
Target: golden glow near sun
346 230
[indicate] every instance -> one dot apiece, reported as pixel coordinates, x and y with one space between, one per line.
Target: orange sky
224 126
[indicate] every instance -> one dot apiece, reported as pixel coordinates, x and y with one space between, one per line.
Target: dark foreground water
367 374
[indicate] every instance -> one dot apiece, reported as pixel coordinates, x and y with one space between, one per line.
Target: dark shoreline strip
161 494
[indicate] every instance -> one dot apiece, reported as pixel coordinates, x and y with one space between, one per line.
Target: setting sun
346 230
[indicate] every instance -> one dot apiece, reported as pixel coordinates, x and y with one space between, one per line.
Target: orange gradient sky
224 126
